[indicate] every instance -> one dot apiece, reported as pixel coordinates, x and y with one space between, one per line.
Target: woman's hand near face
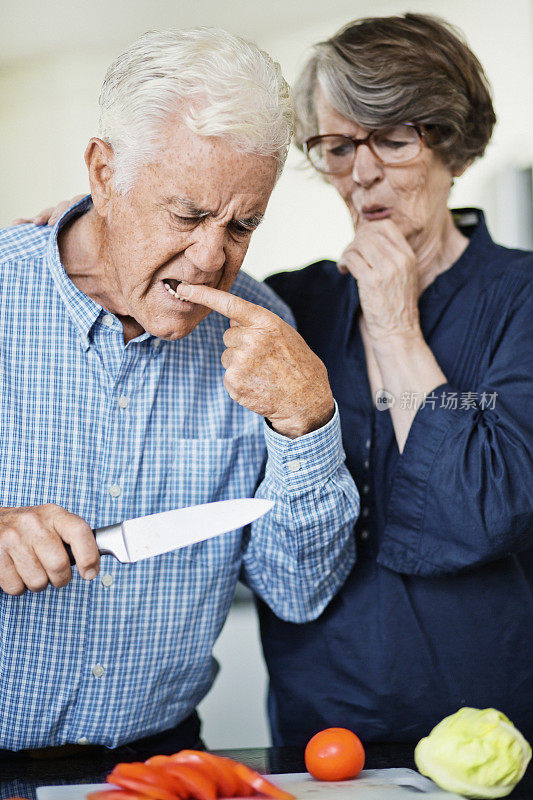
386 271
385 268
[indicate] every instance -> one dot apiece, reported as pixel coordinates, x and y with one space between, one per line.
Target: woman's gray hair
215 83
416 68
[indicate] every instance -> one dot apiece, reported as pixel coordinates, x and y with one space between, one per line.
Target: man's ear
99 160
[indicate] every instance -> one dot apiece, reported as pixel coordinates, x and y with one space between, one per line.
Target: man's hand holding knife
269 370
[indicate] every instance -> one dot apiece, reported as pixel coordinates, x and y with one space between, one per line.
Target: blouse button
364 535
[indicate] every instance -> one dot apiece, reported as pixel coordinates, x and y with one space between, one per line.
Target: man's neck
437 250
85 257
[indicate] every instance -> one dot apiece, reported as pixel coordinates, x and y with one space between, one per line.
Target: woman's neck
437 249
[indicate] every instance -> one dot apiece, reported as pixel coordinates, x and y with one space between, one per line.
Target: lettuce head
474 752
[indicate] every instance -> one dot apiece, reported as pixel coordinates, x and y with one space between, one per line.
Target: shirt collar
471 223
83 310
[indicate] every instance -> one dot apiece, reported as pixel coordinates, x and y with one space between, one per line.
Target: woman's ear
99 160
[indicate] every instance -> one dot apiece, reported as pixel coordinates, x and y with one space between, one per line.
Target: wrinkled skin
394 258
189 216
263 352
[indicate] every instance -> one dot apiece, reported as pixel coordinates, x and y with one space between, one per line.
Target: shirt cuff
300 463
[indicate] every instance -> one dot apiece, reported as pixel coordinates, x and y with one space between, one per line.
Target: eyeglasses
334 154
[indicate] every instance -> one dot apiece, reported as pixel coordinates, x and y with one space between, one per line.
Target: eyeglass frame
421 132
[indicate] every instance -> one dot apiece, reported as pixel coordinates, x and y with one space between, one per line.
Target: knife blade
155 534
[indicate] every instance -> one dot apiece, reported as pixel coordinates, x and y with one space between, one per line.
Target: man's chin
177 326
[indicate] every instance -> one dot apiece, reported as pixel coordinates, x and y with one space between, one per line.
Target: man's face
188 217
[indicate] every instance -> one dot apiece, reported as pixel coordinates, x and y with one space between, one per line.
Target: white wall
233 713
48 112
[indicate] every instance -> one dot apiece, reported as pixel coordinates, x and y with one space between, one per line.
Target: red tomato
257 783
335 754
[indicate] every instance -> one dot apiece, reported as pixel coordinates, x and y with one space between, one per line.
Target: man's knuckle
58 565
9 538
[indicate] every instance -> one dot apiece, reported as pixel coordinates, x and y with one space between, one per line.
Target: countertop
19 777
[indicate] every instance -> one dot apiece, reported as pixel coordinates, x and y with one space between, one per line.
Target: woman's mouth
375 212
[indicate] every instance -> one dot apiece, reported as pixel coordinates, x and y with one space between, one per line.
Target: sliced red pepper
114 794
259 784
223 773
141 771
199 785
146 780
212 767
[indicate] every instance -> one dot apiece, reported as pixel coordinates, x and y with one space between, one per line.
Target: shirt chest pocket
207 470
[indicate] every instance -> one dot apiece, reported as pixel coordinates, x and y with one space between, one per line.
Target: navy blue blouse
437 612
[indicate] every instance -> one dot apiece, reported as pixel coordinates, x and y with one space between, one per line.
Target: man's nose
367 169
207 252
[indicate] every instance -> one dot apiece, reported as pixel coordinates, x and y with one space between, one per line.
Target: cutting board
372 784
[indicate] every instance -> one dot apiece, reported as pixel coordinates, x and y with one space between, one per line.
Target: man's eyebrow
187 204
251 223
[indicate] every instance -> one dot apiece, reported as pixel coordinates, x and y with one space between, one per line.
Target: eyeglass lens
333 154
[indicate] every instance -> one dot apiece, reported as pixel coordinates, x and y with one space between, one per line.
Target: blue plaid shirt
110 432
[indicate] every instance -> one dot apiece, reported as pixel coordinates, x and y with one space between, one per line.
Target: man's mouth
171 284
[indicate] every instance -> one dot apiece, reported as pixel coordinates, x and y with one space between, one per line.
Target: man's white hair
215 83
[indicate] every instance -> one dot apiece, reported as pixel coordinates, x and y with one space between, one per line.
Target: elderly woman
426 328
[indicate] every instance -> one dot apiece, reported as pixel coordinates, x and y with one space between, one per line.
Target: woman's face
414 196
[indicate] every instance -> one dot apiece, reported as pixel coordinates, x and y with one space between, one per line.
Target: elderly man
115 404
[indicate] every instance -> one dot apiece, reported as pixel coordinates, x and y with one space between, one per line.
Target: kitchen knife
145 537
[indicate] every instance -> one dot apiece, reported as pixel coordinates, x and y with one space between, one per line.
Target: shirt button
98 670
366 488
367 444
366 512
83 740
294 465
107 580
364 535
123 401
367 463
107 320
115 490
156 342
